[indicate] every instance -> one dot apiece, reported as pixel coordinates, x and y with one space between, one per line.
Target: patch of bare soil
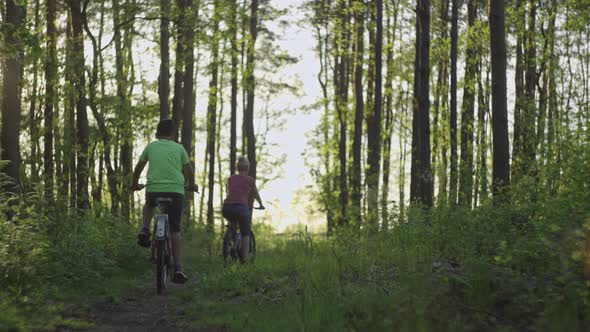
147 311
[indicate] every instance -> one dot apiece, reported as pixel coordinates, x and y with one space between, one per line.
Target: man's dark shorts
174 210
239 213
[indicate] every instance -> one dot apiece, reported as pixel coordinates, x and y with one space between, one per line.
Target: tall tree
33 100
50 97
82 131
501 162
421 185
164 77
177 99
233 37
359 9
389 115
453 107
14 17
467 114
374 122
248 119
212 114
188 104
341 50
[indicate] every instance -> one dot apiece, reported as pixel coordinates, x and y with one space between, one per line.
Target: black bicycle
232 242
161 246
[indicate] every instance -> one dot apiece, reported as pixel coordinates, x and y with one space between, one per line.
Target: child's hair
165 128
243 164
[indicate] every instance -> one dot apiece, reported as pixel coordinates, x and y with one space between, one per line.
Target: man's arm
189 176
137 173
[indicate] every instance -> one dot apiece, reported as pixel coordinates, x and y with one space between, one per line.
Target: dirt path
147 311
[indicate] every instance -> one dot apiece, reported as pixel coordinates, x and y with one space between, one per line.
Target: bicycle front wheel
161 272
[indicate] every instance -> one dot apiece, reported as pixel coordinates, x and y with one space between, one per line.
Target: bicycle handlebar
141 186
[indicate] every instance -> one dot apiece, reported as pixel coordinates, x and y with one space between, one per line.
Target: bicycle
232 242
160 245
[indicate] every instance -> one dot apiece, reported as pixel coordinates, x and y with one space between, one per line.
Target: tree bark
467 114
359 8
164 77
233 35
501 163
389 116
421 185
50 97
82 131
212 117
453 109
374 123
11 91
177 99
188 105
249 133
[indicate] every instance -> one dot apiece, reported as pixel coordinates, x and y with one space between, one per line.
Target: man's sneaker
143 238
179 277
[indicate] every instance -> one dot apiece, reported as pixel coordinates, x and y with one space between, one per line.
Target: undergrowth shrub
49 254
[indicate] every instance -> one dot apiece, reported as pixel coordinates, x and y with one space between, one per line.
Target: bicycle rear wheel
161 270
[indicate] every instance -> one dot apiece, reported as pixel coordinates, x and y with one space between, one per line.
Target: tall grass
49 255
519 267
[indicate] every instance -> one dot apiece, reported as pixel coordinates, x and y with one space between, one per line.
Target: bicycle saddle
163 201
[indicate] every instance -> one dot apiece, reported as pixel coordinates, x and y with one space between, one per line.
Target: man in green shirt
169 167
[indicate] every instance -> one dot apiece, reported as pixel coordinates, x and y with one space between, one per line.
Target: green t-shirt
166 159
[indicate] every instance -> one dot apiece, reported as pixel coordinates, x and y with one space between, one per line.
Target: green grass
462 271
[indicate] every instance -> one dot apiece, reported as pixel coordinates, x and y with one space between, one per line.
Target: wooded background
477 94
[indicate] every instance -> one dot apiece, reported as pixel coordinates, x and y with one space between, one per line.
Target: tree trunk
453 109
374 124
250 90
233 36
467 116
164 78
389 116
33 124
69 146
82 130
501 163
11 91
421 174
50 97
177 100
358 113
212 117
188 105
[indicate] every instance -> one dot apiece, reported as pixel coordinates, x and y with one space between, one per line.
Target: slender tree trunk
530 109
69 146
177 100
501 163
212 116
421 178
14 17
33 124
82 131
250 90
358 113
453 111
188 105
519 99
233 36
467 116
389 116
374 123
50 97
164 78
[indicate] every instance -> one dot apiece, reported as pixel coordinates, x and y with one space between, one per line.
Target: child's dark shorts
174 210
